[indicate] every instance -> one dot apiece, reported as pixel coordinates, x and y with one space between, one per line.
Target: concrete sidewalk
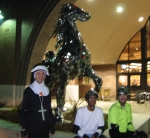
141 120
60 134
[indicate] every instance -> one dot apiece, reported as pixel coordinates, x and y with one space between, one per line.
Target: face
122 99
92 101
40 76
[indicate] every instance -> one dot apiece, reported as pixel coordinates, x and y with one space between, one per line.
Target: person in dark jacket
36 117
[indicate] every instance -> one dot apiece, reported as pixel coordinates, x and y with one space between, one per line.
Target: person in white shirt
89 120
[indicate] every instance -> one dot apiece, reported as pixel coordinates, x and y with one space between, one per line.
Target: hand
52 130
85 136
95 135
23 133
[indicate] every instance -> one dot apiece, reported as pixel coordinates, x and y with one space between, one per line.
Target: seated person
120 117
89 120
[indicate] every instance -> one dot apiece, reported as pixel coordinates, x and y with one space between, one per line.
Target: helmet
89 93
122 90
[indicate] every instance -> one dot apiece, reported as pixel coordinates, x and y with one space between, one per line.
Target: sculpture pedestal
72 93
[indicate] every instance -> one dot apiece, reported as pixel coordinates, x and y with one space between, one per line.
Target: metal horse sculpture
72 58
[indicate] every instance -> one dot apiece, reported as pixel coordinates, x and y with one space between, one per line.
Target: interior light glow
1 16
135 64
123 66
133 67
141 19
136 48
119 9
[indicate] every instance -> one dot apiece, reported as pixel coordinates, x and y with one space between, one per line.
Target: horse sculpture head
74 13
66 24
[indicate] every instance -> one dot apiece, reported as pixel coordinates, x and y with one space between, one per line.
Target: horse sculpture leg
97 80
60 96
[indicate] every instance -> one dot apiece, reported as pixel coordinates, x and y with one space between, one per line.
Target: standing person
89 120
36 116
120 117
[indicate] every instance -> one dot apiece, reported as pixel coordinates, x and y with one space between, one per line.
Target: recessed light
141 19
119 9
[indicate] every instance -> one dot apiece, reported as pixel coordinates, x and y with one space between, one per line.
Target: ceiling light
119 9
141 19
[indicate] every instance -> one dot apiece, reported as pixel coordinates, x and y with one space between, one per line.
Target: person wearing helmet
36 116
120 116
89 120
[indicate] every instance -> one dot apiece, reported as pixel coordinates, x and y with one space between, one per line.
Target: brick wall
8 45
15 30
108 75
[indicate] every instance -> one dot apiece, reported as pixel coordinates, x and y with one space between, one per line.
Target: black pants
116 134
41 134
101 136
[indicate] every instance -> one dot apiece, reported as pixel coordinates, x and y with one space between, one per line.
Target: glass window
129 68
148 79
135 50
148 67
148 38
132 50
148 29
132 58
124 55
148 47
137 37
135 67
135 80
122 68
122 80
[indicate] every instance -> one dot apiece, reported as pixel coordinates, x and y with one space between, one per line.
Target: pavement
141 120
60 134
141 112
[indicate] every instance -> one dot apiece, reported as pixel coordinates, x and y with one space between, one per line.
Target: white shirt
89 120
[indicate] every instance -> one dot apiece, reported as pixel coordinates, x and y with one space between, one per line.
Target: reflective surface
72 58
132 50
